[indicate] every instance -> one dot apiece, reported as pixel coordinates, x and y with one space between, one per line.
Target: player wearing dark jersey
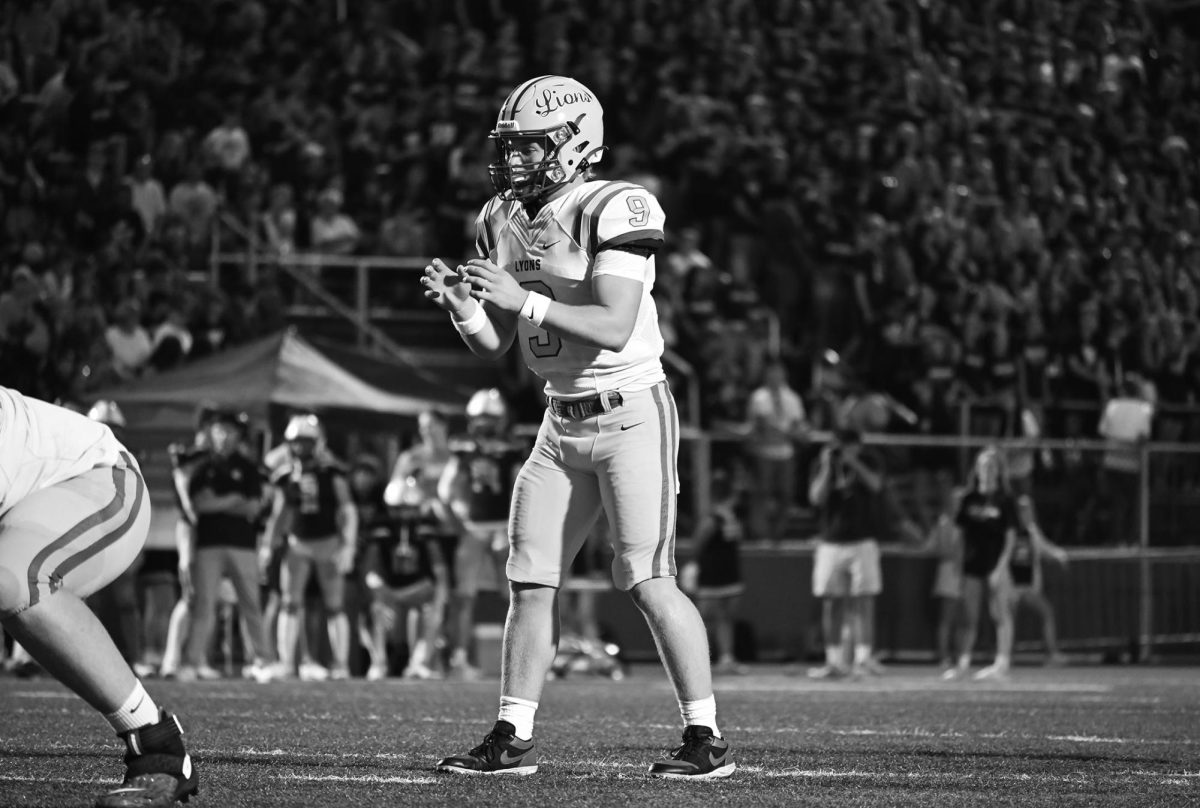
313 511
476 487
406 580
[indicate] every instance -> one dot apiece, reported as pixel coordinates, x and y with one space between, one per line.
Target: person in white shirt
146 194
194 201
776 419
1125 423
333 232
565 271
129 341
74 515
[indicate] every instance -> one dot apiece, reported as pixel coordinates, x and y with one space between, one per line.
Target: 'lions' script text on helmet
560 115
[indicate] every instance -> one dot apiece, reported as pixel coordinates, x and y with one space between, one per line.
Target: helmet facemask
528 181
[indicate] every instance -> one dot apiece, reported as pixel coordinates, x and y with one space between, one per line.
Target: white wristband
473 324
534 309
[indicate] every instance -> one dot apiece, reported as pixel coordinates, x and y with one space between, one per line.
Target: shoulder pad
488 223
618 213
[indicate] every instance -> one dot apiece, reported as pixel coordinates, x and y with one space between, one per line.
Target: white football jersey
41 445
555 255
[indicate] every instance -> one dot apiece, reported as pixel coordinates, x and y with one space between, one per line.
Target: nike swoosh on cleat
625 427
716 761
506 759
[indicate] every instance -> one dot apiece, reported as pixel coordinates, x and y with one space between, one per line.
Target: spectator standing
945 541
26 333
847 487
987 517
776 421
195 202
1030 549
183 463
225 490
227 148
146 195
719 585
1126 424
333 232
278 221
128 341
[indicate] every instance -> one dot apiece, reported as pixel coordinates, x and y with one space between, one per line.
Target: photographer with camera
847 486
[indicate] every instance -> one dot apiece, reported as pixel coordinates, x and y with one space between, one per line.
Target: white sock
137 711
862 654
519 713
834 656
701 712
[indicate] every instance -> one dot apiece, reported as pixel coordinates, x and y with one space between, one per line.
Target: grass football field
1120 736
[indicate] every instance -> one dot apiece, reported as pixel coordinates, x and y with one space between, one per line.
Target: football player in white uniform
74 514
565 268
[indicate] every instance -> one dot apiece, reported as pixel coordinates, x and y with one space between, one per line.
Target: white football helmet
302 427
487 413
107 412
404 492
560 115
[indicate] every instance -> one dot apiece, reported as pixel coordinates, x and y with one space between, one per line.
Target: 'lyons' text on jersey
527 265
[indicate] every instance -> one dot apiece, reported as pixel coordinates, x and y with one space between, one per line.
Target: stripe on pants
664 552
89 523
112 536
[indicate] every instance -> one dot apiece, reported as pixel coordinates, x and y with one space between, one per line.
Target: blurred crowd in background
993 201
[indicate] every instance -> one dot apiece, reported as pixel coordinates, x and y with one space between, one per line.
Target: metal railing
365 309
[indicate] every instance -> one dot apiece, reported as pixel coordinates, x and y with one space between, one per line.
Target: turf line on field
358 778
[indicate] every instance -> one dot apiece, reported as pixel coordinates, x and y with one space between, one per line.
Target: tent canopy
285 369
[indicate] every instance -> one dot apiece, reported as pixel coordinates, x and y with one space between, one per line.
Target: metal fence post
1146 593
702 474
360 298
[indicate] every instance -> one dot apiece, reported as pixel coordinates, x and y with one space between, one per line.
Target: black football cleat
701 756
158 770
501 752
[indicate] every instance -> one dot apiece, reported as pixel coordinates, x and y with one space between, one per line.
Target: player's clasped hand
446 287
494 285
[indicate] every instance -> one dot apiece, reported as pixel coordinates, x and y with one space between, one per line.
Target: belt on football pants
580 408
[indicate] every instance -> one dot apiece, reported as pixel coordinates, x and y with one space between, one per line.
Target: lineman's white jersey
555 256
42 445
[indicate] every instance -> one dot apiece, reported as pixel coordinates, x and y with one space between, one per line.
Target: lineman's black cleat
158 770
